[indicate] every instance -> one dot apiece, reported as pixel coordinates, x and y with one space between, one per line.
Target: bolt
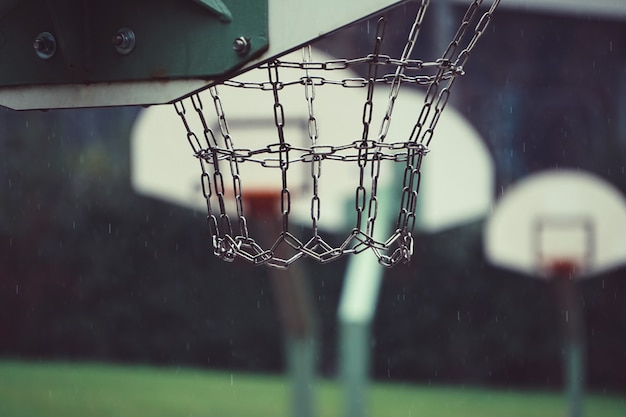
45 45
241 45
124 41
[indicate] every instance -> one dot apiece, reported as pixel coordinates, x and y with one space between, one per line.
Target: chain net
222 157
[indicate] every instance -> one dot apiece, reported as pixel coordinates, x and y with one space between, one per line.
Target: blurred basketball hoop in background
556 220
561 225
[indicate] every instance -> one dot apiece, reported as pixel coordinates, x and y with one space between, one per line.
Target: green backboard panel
81 41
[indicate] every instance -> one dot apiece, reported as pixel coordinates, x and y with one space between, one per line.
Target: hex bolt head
45 45
124 41
241 45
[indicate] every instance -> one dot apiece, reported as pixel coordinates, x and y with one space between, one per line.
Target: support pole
357 307
297 315
568 293
356 312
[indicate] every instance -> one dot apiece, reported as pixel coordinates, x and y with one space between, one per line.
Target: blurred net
223 157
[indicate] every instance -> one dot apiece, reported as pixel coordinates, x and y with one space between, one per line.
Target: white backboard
558 215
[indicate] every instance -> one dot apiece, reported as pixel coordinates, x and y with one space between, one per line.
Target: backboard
75 53
556 218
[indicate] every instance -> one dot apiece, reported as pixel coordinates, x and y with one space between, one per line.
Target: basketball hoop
222 158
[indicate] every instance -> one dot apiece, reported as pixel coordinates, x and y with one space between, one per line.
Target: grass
100 390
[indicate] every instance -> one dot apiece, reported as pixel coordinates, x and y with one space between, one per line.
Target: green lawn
99 390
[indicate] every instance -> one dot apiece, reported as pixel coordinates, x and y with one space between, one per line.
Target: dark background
91 270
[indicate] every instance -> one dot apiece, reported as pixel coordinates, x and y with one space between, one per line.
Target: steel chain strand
316 161
279 121
205 181
363 148
444 94
350 82
407 198
397 79
448 55
234 164
395 89
372 210
433 88
207 153
409 194
480 28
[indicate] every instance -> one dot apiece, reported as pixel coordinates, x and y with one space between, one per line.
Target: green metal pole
301 366
574 364
357 307
356 312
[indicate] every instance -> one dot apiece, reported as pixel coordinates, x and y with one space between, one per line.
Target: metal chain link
221 158
316 161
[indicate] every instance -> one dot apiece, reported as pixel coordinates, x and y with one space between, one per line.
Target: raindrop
109 228
458 315
232 380
17 289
